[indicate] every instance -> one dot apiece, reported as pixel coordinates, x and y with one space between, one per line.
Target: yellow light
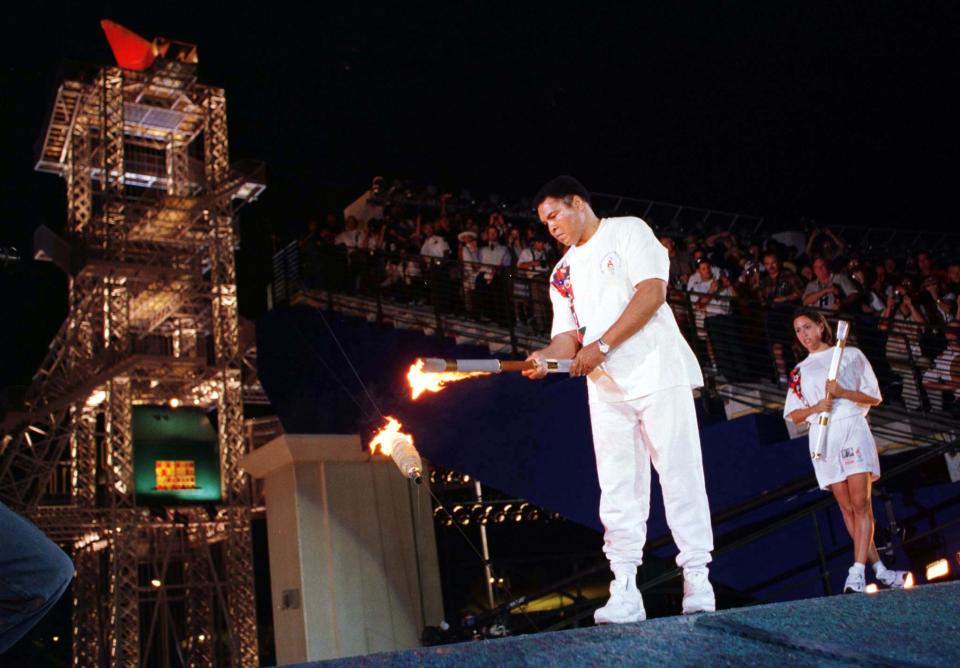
56 638
909 582
156 583
201 637
872 588
938 569
174 402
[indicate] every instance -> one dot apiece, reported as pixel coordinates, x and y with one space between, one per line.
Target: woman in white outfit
850 465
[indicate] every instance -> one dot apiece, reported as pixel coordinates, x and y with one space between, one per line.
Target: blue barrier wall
532 439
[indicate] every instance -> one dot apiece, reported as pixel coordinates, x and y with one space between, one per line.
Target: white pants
627 436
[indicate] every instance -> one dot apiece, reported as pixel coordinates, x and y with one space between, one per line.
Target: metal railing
744 346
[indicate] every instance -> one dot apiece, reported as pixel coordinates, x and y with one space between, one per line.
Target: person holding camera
829 291
851 464
904 322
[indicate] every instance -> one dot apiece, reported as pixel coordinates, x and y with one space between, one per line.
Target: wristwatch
603 345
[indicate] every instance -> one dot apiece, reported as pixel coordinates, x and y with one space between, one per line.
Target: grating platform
919 627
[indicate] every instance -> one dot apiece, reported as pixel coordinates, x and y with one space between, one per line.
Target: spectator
710 293
352 236
435 250
534 264
515 244
491 283
470 269
434 246
779 290
903 323
824 243
828 291
777 285
951 283
942 379
681 266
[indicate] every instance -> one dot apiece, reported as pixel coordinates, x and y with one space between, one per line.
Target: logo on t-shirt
561 283
794 384
610 265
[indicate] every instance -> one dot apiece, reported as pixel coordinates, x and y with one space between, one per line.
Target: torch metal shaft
843 329
440 365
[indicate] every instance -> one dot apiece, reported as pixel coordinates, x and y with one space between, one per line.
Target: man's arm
650 294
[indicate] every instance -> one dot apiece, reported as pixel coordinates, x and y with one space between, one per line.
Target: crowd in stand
725 287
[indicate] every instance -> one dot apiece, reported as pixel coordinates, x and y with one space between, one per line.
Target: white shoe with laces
854 583
624 606
896 579
697 591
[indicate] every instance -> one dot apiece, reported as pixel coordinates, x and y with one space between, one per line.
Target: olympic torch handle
440 365
553 366
843 329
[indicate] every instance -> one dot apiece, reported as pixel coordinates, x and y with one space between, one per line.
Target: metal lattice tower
152 319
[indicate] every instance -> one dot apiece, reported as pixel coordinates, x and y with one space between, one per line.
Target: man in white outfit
610 315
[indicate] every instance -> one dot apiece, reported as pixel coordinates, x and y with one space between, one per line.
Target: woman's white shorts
850 449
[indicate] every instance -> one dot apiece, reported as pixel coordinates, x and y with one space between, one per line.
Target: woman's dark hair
817 318
562 187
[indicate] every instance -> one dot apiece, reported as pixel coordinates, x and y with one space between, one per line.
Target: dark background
840 111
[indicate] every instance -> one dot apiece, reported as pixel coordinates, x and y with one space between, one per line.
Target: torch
438 365
843 328
399 447
432 374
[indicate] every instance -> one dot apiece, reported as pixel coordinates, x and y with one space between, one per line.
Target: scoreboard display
175 456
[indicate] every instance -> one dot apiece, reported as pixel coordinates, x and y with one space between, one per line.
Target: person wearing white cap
610 315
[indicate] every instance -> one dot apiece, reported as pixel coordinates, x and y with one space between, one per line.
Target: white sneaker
697 591
896 579
854 583
624 606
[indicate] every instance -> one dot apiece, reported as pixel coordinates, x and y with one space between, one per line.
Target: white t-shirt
435 246
590 287
697 287
808 382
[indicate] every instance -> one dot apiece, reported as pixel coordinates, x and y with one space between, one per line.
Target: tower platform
918 627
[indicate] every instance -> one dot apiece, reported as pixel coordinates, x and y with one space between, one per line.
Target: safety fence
746 348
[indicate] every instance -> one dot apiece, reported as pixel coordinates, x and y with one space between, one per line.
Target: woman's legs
853 497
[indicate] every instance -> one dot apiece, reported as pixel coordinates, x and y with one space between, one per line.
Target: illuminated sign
175 456
175 474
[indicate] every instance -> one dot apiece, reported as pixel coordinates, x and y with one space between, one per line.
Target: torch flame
382 441
421 382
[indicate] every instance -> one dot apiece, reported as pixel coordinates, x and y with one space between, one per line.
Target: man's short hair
562 187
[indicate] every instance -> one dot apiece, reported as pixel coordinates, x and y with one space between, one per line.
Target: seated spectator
829 291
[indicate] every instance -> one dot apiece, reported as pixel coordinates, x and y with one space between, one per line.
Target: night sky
843 111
